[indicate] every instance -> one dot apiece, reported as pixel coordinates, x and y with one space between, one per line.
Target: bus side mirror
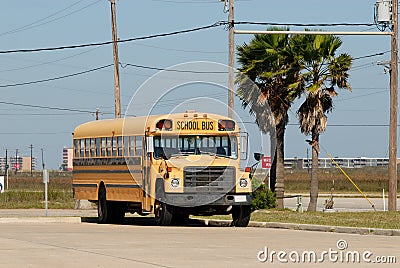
258 156
150 144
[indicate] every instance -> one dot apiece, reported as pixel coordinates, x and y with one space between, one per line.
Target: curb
306 227
41 220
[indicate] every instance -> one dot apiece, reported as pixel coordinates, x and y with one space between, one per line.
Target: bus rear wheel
109 211
241 215
103 208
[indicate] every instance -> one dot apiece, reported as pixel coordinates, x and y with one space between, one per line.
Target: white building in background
344 162
67 159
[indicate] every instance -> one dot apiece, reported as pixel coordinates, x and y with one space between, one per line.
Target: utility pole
117 100
393 109
97 113
31 147
231 60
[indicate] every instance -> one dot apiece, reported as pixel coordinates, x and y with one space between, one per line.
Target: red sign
266 162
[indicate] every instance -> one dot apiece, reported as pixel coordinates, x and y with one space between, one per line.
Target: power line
304 24
171 70
195 2
202 72
45 107
34 133
372 55
149 68
48 62
182 50
363 95
333 125
55 78
38 114
188 2
34 24
217 24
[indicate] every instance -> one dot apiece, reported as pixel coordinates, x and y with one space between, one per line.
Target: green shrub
263 198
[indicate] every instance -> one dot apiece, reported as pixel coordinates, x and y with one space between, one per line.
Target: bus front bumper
201 199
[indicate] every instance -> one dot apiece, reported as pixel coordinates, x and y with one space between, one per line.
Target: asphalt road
142 244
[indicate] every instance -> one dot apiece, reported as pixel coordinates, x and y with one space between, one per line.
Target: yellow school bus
171 165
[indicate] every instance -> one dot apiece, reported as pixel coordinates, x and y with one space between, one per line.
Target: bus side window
126 145
132 146
97 147
119 144
114 146
103 146
109 146
87 147
92 147
76 148
139 145
82 148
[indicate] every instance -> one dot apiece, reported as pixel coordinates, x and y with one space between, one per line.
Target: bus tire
117 211
180 218
162 211
241 215
103 207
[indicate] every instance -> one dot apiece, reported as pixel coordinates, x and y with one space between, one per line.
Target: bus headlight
175 182
243 183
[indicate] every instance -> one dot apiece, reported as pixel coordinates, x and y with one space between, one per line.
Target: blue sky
45 23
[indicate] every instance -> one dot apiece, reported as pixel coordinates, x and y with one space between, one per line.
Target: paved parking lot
142 244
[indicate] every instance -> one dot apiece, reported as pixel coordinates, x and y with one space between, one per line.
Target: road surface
142 244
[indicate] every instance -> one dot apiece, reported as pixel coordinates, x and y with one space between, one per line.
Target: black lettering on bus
207 125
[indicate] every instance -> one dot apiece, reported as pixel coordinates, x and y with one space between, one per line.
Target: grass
370 180
382 220
28 192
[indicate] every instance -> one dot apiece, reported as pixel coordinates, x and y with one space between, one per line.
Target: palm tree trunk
280 185
272 171
312 206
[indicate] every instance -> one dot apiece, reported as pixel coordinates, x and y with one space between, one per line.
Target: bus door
148 150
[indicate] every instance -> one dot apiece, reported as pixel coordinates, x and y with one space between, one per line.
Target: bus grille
209 179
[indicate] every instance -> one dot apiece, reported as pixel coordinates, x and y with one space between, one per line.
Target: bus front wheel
162 211
241 215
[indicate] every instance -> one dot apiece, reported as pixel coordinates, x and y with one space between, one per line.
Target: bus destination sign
196 125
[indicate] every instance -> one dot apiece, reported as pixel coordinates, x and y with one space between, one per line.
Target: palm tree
323 72
268 63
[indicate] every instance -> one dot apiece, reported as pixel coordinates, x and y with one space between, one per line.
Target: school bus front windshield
170 146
